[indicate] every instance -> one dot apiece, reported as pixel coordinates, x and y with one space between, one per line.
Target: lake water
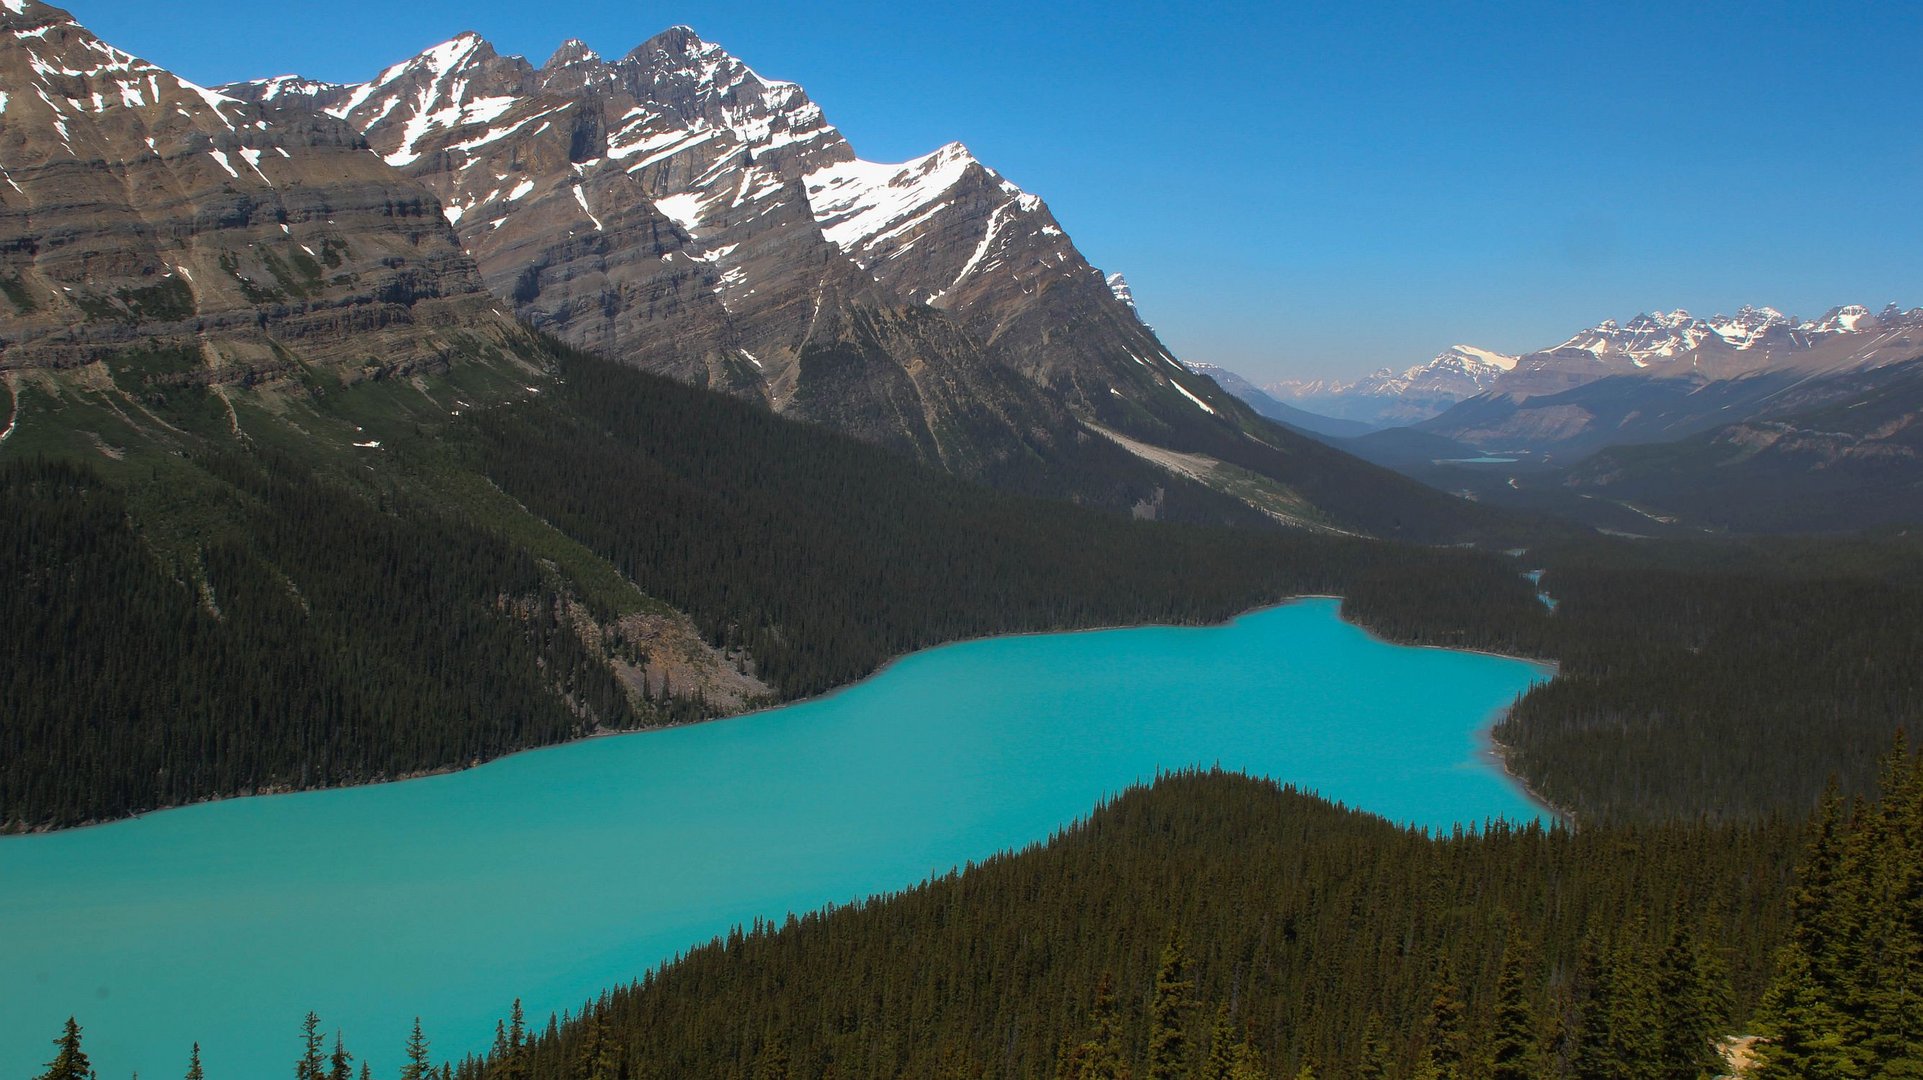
552 874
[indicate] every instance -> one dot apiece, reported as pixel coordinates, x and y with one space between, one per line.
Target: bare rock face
134 204
678 211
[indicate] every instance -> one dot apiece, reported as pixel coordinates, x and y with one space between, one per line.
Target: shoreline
1492 748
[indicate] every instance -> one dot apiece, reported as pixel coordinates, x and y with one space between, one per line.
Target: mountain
1840 456
137 205
1669 375
279 475
1259 400
1390 397
675 210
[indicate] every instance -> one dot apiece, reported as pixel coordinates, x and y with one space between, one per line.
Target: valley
568 571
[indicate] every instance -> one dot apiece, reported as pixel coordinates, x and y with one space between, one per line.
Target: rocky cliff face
135 205
674 209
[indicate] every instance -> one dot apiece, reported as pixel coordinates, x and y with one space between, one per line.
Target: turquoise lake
552 874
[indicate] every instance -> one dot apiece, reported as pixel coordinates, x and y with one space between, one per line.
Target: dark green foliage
419 1065
1446 1054
1168 1043
1725 678
1514 1042
825 557
194 1071
70 1063
1101 1055
333 644
340 1064
1847 1000
311 1065
1316 929
1694 1008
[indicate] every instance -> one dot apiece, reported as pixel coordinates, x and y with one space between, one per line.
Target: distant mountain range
1389 396
1743 403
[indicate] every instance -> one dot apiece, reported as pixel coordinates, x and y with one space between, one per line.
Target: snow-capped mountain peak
1493 359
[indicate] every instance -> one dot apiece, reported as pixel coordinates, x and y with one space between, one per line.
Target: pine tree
1691 1014
417 1067
312 1061
1514 1054
1248 1061
1448 1048
194 1071
1098 1057
1222 1047
1375 1062
772 1062
1168 1046
514 1065
340 1064
1804 1032
71 1062
597 1053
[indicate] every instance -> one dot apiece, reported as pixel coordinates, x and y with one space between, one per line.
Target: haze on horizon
1306 193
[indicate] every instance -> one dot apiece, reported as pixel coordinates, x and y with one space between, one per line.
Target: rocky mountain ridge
139 207
1658 345
677 210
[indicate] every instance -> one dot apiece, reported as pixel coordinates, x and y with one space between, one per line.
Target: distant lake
552 874
1477 461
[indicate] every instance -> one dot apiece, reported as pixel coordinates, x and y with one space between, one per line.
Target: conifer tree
1168 1046
1448 1048
194 1071
1222 1047
1691 1012
1098 1057
1248 1060
312 1062
340 1064
70 1063
1804 1032
1375 1052
772 1062
1514 1053
417 1066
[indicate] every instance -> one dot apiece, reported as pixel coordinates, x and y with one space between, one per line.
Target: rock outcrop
136 206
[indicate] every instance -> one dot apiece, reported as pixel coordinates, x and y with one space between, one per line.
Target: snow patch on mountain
862 204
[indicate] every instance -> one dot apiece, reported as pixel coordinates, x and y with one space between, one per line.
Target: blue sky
1308 191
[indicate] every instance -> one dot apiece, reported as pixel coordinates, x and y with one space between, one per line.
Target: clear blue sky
1307 191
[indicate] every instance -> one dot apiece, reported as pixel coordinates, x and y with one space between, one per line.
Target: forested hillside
223 593
1209 910
1726 677
205 618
